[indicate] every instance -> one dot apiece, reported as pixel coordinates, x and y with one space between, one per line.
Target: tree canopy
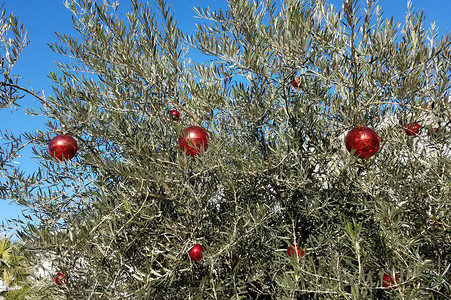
120 217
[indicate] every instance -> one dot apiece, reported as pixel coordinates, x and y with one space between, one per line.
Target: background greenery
121 217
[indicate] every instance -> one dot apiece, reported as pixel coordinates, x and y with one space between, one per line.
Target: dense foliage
120 218
14 268
17 294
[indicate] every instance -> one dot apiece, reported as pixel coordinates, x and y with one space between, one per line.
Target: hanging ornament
62 147
195 253
363 140
437 222
296 83
295 248
412 129
60 278
389 282
175 115
193 139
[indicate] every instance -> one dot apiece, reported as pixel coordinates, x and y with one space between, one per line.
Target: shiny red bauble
363 140
296 83
175 115
195 253
60 278
192 141
63 147
389 282
293 249
412 129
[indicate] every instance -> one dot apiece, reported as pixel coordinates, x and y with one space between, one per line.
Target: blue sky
41 19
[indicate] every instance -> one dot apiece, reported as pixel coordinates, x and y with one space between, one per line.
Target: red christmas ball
291 250
195 253
175 115
296 83
193 139
388 281
412 129
60 278
63 147
363 140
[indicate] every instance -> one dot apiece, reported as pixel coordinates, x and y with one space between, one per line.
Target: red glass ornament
438 222
192 140
291 250
63 147
412 129
296 83
175 115
388 281
195 253
363 140
60 278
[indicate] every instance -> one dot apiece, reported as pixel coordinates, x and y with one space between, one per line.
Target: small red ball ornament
291 251
389 282
363 140
412 129
296 83
193 139
63 147
60 278
175 115
195 253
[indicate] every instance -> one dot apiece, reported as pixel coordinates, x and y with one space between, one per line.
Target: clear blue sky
42 18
